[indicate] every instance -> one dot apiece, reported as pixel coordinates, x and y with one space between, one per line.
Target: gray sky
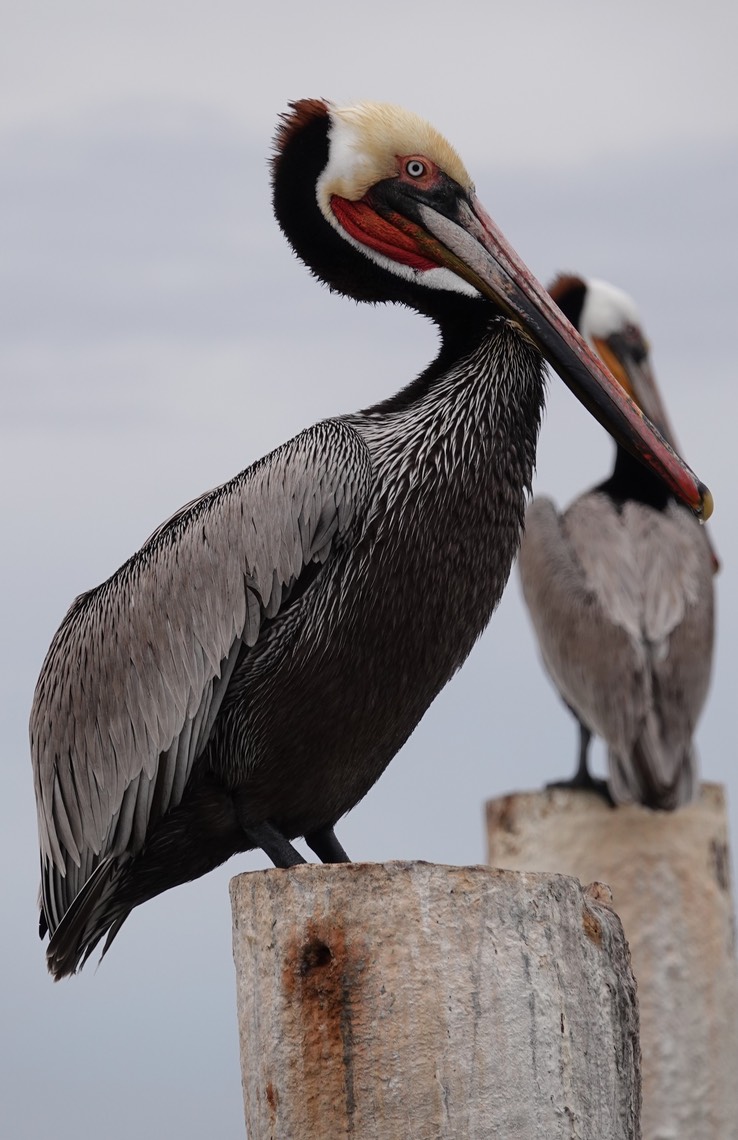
157 336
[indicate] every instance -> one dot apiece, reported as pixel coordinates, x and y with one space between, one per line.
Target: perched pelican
619 589
247 675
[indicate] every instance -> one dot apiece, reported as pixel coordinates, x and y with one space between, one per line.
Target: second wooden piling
670 877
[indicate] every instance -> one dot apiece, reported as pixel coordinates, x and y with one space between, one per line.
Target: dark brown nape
569 291
301 112
301 153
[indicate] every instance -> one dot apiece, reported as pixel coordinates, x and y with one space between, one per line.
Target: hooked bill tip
707 504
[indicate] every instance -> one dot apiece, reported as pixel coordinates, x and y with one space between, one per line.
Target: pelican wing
621 603
135 676
585 644
676 574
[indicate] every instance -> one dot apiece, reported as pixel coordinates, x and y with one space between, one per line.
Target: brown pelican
619 589
247 675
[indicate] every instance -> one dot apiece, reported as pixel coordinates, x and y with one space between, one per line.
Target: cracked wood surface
410 1001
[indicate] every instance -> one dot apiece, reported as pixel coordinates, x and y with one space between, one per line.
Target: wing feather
136 674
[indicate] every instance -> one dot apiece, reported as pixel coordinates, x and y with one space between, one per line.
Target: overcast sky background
157 336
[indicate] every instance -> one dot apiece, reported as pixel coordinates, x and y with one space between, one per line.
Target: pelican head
381 207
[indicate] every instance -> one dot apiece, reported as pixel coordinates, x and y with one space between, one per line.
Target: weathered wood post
409 1000
670 877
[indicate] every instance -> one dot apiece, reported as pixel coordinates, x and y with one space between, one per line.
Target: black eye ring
415 168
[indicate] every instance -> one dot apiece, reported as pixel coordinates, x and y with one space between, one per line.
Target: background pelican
247 675
619 589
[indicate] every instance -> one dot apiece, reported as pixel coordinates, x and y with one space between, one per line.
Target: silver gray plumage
622 606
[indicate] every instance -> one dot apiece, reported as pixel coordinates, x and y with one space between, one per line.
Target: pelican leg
274 844
325 845
583 778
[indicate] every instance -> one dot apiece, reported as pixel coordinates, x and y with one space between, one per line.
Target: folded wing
621 602
136 674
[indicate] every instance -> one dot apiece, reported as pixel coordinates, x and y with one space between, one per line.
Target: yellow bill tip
708 505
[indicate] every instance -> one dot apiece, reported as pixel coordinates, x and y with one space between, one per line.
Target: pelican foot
586 783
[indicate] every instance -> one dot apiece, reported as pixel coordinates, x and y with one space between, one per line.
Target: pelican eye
415 168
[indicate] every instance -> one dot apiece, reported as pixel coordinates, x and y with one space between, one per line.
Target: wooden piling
410 1000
